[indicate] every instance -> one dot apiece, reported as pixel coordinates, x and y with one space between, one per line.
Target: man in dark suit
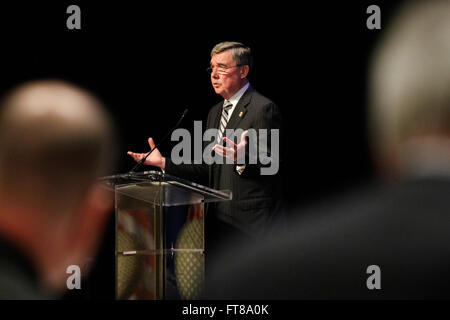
54 140
256 203
389 240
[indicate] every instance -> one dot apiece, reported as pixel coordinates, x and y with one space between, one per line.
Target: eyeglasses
222 69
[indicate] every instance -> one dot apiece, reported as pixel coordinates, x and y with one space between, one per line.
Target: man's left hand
233 151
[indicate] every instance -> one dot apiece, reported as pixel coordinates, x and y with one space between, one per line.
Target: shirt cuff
240 169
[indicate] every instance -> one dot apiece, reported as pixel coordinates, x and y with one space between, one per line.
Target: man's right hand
154 159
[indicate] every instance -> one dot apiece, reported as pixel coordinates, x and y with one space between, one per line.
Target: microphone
139 164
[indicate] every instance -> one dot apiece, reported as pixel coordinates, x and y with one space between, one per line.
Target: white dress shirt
236 97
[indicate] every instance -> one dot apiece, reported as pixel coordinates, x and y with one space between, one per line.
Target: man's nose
214 73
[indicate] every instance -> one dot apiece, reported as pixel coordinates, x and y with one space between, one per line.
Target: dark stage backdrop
147 64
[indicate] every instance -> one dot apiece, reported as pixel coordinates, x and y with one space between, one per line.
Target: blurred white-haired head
409 93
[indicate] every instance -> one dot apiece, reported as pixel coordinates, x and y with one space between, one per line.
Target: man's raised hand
154 159
235 152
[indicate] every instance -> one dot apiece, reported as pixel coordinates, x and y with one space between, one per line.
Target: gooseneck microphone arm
139 164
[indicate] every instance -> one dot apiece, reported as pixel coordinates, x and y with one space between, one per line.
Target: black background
146 61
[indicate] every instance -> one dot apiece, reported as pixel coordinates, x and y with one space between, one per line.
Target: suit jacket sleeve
193 172
199 173
268 118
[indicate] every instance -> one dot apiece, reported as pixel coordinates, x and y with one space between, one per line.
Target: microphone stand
139 164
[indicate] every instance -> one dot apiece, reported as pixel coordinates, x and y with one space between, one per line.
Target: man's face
226 81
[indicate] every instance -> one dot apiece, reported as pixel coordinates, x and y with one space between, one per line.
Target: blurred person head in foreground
410 93
54 142
402 227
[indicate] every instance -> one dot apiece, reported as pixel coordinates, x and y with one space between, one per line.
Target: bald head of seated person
54 139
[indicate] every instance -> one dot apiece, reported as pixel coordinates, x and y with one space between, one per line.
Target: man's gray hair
241 54
410 77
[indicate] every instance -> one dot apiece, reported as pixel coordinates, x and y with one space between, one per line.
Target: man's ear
100 203
92 218
101 200
244 71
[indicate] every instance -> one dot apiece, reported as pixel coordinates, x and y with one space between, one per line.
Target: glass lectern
159 235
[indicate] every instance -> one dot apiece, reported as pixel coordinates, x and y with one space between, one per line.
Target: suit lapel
215 124
240 110
213 168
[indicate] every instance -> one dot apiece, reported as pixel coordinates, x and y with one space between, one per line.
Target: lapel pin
241 114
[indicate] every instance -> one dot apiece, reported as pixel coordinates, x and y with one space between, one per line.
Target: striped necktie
227 105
